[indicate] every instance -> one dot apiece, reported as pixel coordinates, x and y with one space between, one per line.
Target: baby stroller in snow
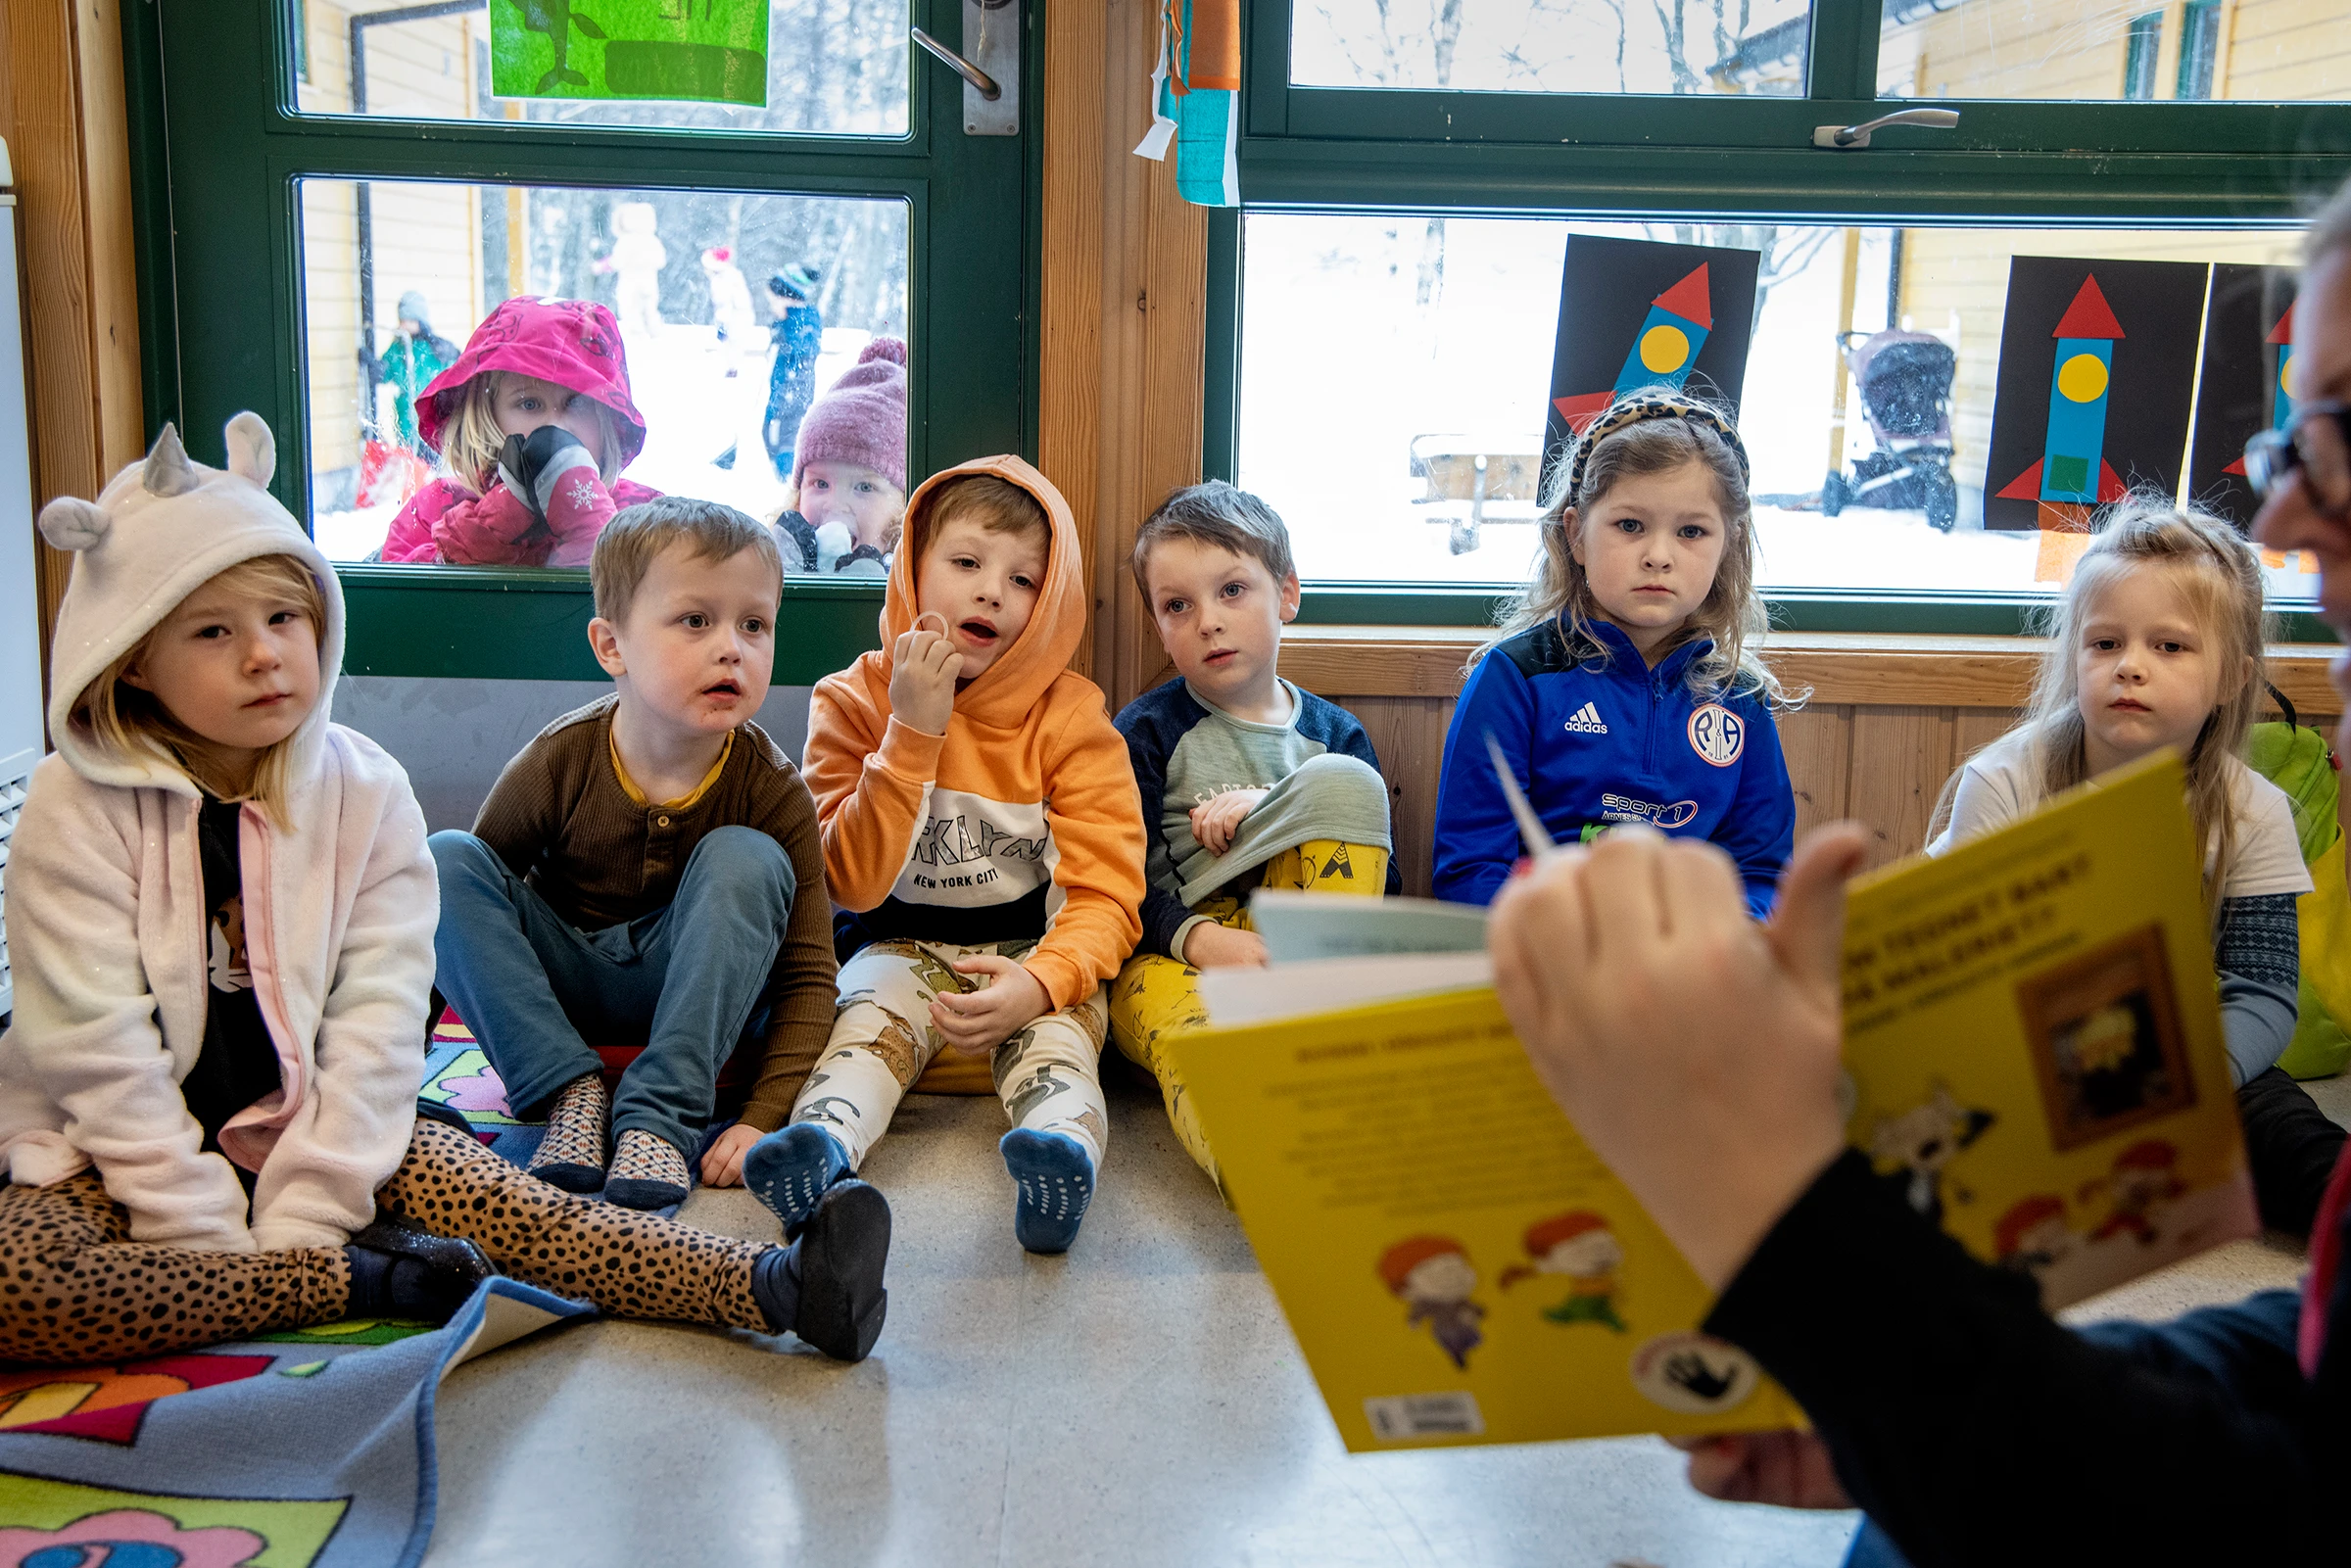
1905 382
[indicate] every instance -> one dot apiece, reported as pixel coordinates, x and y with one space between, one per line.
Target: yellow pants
1154 999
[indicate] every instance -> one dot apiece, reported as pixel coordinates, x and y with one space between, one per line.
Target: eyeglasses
2317 443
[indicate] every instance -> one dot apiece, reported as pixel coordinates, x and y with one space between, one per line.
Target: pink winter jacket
107 938
447 523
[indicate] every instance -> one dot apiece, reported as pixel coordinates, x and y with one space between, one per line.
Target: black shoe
840 1256
399 1272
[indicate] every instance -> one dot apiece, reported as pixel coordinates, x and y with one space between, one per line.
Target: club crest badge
1717 734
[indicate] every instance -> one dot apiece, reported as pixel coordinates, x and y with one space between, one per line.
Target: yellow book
2034 1051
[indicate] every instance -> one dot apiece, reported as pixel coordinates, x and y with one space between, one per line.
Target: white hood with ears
167 525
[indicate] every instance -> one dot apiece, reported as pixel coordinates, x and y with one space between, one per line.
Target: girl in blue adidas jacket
1625 686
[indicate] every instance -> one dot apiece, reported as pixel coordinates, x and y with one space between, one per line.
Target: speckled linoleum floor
1136 1403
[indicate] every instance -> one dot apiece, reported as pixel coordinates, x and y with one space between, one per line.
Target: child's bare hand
1217 819
923 670
722 1167
981 1020
1786 1469
1212 946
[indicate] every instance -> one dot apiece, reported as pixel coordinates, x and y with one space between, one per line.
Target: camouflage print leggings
1048 1074
75 1288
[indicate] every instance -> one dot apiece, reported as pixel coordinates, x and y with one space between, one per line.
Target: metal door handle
980 80
1847 138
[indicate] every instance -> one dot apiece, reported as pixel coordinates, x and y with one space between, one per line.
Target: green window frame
215 155
1615 155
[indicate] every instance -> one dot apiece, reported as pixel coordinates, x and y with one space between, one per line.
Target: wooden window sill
1840 667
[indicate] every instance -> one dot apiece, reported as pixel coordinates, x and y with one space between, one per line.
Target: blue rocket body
2077 435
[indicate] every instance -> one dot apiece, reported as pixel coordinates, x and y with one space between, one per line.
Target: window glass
737 313
1382 356
1557 46
2274 51
2199 47
833 67
2143 45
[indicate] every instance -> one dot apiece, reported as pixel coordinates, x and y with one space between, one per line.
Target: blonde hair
1731 614
471 439
132 723
626 549
2221 581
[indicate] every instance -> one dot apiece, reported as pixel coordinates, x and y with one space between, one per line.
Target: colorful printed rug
457 1073
307 1449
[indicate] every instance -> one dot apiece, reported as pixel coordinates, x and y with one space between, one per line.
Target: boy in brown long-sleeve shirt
648 869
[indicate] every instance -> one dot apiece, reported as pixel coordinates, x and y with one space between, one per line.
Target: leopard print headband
1639 408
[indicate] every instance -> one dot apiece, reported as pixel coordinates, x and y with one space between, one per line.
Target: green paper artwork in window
704 51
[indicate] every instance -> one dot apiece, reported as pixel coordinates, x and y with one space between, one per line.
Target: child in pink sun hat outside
848 499
534 424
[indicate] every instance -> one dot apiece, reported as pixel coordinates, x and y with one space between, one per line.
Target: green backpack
2299 760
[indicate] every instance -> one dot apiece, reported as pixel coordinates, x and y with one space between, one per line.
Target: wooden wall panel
1901 756
62 112
1818 742
1070 390
1974 729
1408 734
1124 316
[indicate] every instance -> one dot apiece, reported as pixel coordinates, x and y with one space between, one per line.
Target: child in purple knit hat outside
847 497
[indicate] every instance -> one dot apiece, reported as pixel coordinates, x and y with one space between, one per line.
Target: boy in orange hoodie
982 825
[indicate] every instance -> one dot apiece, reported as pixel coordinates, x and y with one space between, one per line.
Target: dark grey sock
775 1287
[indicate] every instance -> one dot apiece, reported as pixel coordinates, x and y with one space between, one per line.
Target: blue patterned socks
790 1169
1056 1178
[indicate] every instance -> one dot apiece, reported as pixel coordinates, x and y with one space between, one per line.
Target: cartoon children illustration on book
1921 1144
1579 1245
2144 1182
1433 1275
2034 1235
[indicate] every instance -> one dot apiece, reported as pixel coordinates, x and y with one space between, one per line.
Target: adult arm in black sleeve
1976 1430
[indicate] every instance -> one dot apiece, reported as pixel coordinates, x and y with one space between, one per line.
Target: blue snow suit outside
1597 739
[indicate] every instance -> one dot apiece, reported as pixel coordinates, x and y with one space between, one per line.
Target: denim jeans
685 979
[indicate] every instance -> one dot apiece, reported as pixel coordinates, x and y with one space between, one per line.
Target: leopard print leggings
75 1288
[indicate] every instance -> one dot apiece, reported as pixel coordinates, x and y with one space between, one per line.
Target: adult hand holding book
1695 1051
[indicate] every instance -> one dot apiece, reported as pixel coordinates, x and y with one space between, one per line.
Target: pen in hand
1539 844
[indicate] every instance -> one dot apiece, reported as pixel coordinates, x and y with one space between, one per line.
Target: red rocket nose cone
2090 315
1691 299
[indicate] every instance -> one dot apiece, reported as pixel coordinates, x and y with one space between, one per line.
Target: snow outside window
697 280
1382 356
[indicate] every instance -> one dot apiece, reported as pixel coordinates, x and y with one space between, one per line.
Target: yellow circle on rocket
1664 348
2083 378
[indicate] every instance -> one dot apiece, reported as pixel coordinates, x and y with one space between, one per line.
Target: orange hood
1008 688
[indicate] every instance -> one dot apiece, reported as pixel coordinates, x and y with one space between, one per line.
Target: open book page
1249 995
1455 1262
2034 1035
2034 1061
